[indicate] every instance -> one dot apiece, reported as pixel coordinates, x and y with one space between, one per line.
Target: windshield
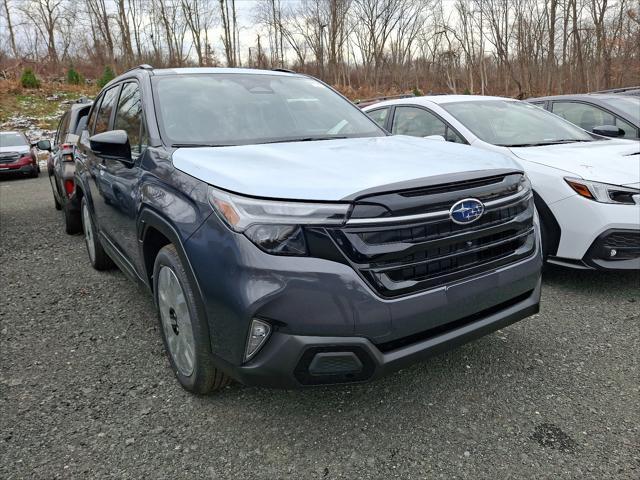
512 123
11 139
628 105
242 109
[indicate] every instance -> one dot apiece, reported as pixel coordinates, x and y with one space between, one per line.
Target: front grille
402 258
9 157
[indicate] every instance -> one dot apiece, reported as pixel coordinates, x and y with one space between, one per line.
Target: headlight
525 184
275 226
604 192
278 239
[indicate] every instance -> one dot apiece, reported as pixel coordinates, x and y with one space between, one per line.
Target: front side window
511 123
628 105
242 109
379 116
106 107
585 116
589 116
418 122
629 130
129 118
11 139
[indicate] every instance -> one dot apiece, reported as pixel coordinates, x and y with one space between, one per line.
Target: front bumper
287 361
314 302
29 169
585 224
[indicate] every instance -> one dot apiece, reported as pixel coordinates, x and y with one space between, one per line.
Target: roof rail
285 70
144 66
369 101
618 90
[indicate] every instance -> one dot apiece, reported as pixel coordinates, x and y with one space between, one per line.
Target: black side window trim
428 110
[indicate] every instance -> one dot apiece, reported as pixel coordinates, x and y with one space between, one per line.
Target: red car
17 155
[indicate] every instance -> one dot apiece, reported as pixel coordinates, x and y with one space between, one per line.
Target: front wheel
185 331
97 256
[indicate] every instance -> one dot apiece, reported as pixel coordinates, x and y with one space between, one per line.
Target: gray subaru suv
289 241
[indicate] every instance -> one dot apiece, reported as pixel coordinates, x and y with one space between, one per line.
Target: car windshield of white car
11 139
514 124
243 109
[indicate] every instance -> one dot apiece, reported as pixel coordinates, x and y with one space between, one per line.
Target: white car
587 187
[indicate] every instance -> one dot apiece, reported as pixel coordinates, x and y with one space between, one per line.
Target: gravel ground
86 392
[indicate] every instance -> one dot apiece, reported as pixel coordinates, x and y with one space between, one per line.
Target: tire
97 256
72 221
56 203
545 237
35 173
190 355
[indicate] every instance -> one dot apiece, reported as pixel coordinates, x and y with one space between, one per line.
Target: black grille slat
623 240
9 157
408 257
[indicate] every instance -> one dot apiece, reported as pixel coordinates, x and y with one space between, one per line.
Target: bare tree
12 37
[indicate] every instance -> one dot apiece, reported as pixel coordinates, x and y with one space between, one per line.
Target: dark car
17 155
287 239
608 114
61 166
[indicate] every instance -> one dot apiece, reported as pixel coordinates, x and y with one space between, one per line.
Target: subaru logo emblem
466 211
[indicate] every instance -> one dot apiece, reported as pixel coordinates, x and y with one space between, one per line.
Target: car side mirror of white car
436 137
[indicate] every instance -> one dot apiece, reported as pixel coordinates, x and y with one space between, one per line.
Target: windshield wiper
303 139
194 145
541 144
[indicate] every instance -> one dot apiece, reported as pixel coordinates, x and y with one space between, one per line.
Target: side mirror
113 144
44 145
608 131
440 138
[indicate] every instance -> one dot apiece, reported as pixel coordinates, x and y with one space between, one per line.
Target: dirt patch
549 435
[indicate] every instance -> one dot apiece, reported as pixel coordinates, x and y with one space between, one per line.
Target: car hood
608 161
17 149
331 170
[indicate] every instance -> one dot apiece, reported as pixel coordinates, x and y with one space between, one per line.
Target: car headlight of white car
604 192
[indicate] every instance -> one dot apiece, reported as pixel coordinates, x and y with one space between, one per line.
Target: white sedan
587 187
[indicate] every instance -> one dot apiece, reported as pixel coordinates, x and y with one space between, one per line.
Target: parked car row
290 240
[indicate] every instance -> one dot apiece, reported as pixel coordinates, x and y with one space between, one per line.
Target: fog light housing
258 334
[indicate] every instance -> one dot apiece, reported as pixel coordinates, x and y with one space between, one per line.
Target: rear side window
106 107
379 116
82 121
129 118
